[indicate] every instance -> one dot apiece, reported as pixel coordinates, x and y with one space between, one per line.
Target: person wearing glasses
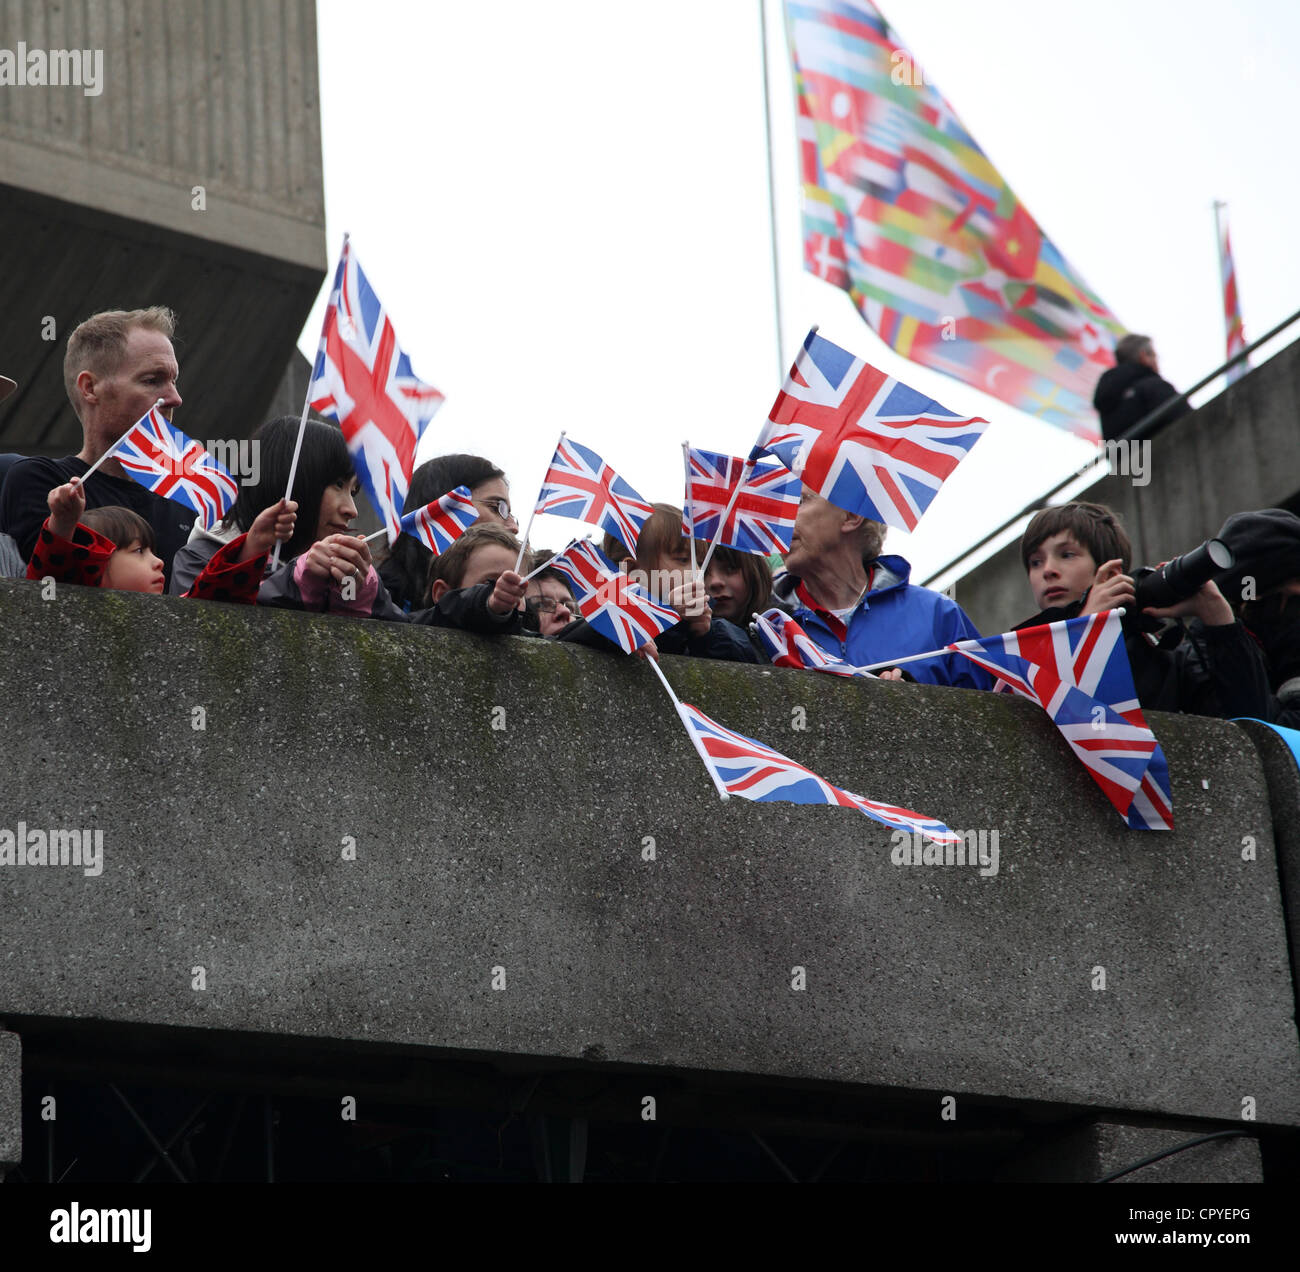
405 572
549 606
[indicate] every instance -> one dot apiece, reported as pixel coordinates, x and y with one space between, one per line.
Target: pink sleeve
365 598
310 587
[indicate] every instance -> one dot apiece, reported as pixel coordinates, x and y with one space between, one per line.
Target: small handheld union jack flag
756 772
162 459
1078 672
762 514
440 523
863 440
620 611
364 380
788 645
579 484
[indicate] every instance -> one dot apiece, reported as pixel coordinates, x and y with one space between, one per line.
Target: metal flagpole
306 403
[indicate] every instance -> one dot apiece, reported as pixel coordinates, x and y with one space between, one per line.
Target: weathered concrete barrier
339 830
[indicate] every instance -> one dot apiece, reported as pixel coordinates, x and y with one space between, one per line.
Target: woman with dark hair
406 570
324 469
739 584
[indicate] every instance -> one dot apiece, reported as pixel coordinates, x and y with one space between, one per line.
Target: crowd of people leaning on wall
1230 648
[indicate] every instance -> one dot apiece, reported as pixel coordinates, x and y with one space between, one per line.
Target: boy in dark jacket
473 585
1077 558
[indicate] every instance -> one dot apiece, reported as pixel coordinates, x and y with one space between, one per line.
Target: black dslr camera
1184 576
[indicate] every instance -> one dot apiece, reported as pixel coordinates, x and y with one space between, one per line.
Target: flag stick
685 719
545 565
731 503
690 514
935 653
532 516
108 454
306 405
370 538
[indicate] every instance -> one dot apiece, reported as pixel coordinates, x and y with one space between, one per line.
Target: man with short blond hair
118 364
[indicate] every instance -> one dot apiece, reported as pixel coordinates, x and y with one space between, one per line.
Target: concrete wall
521 848
98 210
1239 451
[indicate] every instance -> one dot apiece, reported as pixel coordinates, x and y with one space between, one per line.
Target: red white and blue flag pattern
787 644
364 380
761 519
620 611
863 440
579 484
440 523
162 459
1078 672
756 772
1235 331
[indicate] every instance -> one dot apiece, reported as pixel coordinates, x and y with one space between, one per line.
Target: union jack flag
364 380
762 517
863 440
162 459
579 484
440 523
1078 672
617 609
756 772
1234 330
788 645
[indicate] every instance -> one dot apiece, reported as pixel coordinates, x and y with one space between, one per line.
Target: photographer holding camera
1264 587
1078 560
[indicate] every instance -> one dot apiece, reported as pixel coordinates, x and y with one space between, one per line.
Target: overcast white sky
564 206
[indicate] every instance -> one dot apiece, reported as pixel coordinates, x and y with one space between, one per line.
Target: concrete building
191 178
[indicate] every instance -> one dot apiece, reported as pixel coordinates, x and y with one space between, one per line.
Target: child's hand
648 650
691 601
275 522
894 673
67 503
508 594
1111 588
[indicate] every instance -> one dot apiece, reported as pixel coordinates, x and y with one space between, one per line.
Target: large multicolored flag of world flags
364 380
1078 672
161 458
863 440
904 211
